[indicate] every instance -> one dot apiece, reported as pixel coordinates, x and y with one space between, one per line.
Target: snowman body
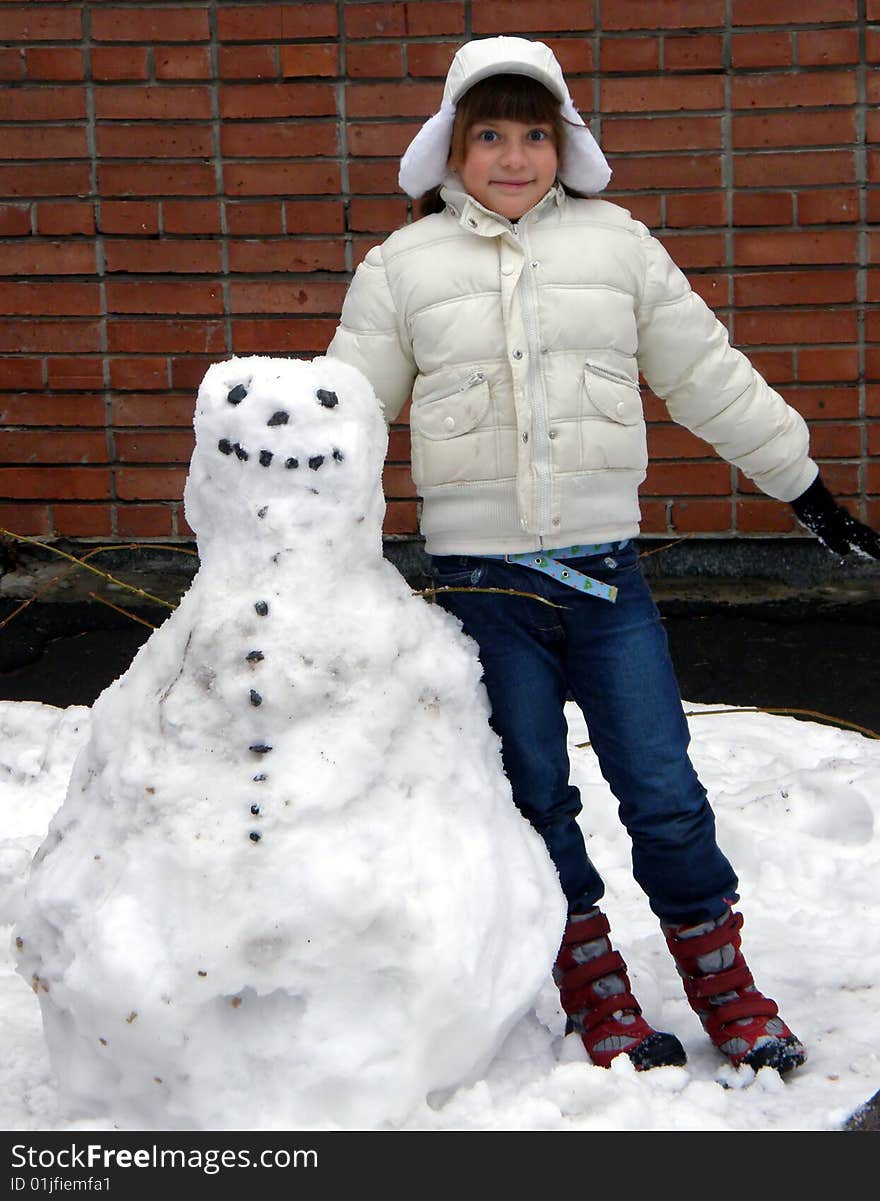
288 887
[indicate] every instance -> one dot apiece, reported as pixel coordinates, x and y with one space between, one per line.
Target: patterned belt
546 562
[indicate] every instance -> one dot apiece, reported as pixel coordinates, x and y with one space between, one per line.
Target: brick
311 59
191 216
21 373
42 337
49 299
120 62
765 517
76 371
809 167
687 479
701 516
391 100
256 218
795 287
248 62
872 45
152 102
275 22
375 20
22 142
55 63
47 258
129 217
143 24
182 62
809 246
528 16
379 139
794 129
82 521
174 257
11 65
762 49
831 363
48 410
15 219
693 52
828 47
32 23
826 208
399 446
239 100
153 446
792 12
270 140
662 95
177 297
373 177
818 404
654 516
630 54
425 58
671 171
807 326
28 520
374 61
155 141
144 521
51 483
64 103
646 14
34 447
164 410
785 90
281 179
282 336
150 483
373 214
397 482
872 402
136 373
166 337
188 372
289 298
763 208
575 54
425 18
286 254
661 133
702 208
156 179
65 217
401 517
675 442
829 440
314 217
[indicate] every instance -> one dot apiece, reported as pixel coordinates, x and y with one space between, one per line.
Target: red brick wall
184 181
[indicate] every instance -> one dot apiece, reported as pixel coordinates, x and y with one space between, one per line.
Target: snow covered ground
797 806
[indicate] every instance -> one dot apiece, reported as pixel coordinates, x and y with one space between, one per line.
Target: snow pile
288 886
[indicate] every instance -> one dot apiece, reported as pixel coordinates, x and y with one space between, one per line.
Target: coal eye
328 399
237 394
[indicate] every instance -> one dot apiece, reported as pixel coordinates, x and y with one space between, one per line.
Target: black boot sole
658 1050
783 1054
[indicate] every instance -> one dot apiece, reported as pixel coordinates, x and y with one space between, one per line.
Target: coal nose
279 418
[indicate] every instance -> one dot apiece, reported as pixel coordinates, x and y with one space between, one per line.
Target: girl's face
508 165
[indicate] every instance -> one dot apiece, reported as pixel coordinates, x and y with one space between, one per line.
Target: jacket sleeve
372 337
710 387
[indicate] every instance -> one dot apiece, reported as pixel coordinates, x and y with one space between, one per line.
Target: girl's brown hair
498 98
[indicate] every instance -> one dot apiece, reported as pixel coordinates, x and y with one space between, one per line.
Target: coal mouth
267 457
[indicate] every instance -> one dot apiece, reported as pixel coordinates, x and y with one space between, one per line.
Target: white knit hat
424 165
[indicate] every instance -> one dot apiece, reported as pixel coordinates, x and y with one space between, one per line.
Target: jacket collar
475 218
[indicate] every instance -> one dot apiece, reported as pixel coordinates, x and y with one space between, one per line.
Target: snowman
288 887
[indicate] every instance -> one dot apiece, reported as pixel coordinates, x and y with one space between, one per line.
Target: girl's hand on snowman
836 529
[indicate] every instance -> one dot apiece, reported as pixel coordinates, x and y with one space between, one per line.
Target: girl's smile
509 165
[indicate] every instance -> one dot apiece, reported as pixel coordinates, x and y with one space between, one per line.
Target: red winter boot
742 1023
596 997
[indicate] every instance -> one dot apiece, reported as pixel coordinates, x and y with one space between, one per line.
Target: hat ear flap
423 165
584 167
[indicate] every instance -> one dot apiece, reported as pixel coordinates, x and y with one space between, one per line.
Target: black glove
833 526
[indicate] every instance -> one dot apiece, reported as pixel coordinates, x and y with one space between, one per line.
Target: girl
519 315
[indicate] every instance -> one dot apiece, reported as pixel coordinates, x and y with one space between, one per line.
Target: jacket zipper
472 380
618 376
541 442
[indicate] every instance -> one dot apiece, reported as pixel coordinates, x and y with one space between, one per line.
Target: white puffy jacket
522 344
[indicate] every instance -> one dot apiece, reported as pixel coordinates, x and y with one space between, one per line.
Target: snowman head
284 445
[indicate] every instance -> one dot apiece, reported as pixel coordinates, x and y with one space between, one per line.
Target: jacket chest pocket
455 414
614 394
450 444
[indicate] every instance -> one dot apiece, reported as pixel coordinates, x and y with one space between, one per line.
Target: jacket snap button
621 407
552 434
449 422
536 264
508 269
525 437
517 354
472 223
555 521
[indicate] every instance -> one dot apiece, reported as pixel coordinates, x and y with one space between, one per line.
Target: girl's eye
537 135
487 135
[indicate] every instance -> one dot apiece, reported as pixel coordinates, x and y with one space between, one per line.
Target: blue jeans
613 659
